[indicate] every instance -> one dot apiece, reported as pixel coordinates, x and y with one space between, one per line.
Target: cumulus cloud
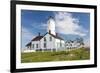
67 24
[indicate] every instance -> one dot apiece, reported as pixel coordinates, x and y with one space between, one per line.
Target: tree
81 41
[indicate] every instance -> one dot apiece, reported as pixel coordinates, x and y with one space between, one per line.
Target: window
36 45
44 45
28 46
60 44
44 39
33 46
50 38
70 44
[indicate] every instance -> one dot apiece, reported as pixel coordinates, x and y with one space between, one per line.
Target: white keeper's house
50 41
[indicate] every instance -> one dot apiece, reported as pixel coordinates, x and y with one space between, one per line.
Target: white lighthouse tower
51 25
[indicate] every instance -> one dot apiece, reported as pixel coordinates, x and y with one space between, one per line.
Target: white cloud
26 33
43 26
67 24
26 36
39 26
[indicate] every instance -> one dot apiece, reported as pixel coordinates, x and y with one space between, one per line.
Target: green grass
77 54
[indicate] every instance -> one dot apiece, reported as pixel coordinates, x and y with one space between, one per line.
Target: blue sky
73 24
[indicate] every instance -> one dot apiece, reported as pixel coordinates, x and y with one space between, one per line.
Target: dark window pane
33 46
44 39
36 45
44 45
50 38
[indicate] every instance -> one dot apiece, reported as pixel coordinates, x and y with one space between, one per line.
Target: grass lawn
77 54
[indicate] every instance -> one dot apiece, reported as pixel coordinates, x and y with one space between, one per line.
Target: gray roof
37 38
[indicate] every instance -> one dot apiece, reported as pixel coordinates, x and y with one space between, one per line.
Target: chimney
50 31
56 34
39 34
